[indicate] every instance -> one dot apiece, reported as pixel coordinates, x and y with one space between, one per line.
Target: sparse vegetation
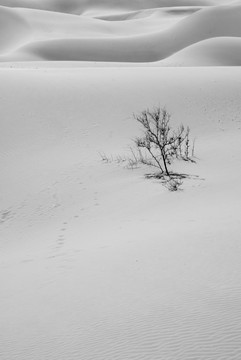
158 147
160 141
162 144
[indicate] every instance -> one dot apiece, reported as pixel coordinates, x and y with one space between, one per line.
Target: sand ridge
105 6
133 34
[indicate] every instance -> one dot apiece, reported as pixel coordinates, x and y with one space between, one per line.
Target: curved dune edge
211 52
104 7
150 35
154 12
223 21
14 30
47 25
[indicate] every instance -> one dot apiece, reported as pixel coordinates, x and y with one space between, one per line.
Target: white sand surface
98 262
105 6
130 32
224 51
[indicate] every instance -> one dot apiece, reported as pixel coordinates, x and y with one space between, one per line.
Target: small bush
160 141
158 146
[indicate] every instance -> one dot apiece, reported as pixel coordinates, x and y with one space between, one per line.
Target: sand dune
140 36
211 52
204 24
14 30
153 13
47 25
105 6
97 262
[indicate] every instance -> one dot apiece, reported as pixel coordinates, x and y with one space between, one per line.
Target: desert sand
96 261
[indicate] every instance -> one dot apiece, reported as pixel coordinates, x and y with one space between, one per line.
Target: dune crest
117 32
223 51
102 7
14 30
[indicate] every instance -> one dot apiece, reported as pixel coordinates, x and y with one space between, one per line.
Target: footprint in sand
61 238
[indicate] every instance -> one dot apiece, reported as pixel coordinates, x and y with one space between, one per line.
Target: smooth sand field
96 261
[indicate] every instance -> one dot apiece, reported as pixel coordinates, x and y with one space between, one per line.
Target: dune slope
97 262
105 6
14 30
224 51
135 34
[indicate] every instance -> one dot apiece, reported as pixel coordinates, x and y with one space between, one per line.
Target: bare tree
160 141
